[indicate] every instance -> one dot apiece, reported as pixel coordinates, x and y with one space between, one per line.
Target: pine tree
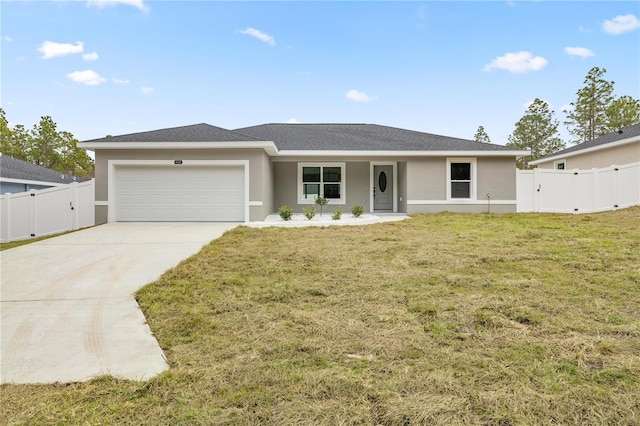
536 131
588 118
481 135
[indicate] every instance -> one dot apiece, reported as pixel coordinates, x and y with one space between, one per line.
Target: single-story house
206 173
21 176
613 149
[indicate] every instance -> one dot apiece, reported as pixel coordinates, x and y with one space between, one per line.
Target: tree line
594 113
45 146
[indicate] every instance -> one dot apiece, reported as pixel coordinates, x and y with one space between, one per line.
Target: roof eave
400 153
268 146
34 181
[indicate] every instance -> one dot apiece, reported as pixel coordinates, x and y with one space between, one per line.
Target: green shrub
337 214
321 201
357 210
285 212
309 212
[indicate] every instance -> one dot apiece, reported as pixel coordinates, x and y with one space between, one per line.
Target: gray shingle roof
624 133
194 133
313 137
360 137
12 168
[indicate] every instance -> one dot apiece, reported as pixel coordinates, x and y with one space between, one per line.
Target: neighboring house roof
194 133
305 138
12 168
625 135
360 137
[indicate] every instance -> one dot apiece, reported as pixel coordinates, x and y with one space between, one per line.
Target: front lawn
441 319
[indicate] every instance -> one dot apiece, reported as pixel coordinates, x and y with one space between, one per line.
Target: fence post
574 190
614 183
33 211
536 190
6 217
594 189
75 205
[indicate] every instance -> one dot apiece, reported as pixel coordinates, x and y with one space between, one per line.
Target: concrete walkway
67 310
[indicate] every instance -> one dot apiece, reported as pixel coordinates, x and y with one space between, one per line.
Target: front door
383 188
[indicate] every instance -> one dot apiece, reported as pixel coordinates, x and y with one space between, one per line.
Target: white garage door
180 193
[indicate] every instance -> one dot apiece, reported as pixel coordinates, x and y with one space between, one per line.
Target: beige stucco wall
267 187
285 182
402 187
616 155
427 185
285 185
258 169
423 179
496 176
427 178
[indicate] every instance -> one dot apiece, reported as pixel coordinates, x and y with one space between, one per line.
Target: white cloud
567 107
621 24
120 81
293 121
51 49
579 51
357 96
147 90
7 38
86 77
138 4
90 56
259 35
519 62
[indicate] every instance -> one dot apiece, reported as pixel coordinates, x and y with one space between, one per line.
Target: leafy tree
588 119
623 111
481 135
12 142
537 131
45 146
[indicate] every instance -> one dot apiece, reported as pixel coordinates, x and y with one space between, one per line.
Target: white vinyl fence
578 191
47 211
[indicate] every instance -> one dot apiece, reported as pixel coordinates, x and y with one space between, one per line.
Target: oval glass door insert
382 181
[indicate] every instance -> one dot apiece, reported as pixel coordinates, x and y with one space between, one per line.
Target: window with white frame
321 180
560 165
461 178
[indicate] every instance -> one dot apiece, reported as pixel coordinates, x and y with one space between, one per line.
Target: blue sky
116 67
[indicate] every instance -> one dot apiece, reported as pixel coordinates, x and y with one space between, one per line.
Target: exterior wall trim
330 153
299 183
473 190
455 202
112 164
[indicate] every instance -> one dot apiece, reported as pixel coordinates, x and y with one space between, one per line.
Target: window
461 178
560 165
324 180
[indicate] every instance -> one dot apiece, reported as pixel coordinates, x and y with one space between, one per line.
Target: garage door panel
203 193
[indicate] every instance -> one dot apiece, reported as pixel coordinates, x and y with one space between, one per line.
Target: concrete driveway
66 304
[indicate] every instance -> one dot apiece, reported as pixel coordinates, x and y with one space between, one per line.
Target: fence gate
46 211
578 191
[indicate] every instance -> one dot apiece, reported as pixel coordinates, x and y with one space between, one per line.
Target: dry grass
443 319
